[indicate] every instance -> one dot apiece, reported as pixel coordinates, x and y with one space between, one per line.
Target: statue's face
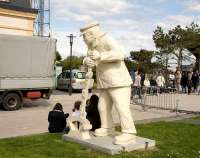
88 38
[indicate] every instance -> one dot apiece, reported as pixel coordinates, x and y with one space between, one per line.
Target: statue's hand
89 62
89 75
94 55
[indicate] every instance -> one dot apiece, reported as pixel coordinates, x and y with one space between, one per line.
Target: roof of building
18 5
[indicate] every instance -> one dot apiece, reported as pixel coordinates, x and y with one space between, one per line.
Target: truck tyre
12 101
1 106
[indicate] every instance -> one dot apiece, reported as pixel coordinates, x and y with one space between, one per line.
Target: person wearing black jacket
195 80
93 113
184 82
57 119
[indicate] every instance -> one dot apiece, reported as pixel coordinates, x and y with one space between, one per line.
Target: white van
78 80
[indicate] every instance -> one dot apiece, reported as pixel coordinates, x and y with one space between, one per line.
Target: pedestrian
76 112
160 80
76 109
189 77
184 82
195 80
93 113
178 80
153 84
57 120
137 85
142 79
147 84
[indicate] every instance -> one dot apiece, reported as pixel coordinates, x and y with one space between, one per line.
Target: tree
164 45
76 62
143 59
192 36
58 60
177 40
130 64
58 56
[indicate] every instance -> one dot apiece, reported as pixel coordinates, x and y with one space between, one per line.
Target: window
80 75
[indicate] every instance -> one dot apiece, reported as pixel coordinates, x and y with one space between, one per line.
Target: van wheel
12 102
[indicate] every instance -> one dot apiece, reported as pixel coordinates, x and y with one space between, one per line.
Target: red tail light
73 81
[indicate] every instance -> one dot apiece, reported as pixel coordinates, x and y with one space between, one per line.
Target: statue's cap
88 26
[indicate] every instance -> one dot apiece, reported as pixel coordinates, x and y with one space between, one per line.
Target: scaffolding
42 21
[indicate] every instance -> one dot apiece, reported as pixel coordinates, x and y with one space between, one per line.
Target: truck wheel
1 106
12 102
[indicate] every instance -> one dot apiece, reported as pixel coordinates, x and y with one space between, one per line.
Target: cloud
69 15
171 21
129 33
193 5
131 22
86 10
63 46
105 11
180 19
132 34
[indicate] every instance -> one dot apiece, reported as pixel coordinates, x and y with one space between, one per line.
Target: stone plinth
105 144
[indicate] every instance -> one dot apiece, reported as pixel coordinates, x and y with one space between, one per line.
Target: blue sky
131 22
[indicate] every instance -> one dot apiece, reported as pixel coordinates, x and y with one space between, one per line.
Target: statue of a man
113 80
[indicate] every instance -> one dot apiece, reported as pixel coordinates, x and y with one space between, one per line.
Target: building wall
16 22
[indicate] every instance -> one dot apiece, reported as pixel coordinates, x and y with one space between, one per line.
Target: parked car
78 80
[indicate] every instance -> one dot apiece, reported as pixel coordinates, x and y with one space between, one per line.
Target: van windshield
80 75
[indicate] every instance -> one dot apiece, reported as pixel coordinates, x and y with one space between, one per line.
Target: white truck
27 69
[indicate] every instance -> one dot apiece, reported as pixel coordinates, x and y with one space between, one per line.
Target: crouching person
57 120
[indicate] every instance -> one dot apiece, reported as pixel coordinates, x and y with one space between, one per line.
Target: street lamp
71 37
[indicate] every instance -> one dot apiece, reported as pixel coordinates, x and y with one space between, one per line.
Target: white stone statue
113 80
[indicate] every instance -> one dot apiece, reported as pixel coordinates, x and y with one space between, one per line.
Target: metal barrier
155 97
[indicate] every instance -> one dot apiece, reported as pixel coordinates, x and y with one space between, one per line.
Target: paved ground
32 118
189 102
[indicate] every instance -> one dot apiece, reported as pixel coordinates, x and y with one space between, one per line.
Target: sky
130 22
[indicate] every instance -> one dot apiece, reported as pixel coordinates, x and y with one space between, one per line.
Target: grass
196 117
173 140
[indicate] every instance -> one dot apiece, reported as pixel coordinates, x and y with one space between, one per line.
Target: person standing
137 84
178 80
153 85
147 84
160 80
195 80
189 76
184 82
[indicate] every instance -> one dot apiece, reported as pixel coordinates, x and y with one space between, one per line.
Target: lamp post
71 37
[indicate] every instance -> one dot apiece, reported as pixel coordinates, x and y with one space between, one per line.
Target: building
17 17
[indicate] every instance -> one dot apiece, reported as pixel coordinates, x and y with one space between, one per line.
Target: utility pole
71 38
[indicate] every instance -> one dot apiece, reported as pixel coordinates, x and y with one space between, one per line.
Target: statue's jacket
111 70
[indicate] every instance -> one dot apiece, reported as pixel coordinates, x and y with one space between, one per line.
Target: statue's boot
125 138
101 132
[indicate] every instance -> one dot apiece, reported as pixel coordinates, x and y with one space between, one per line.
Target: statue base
105 144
